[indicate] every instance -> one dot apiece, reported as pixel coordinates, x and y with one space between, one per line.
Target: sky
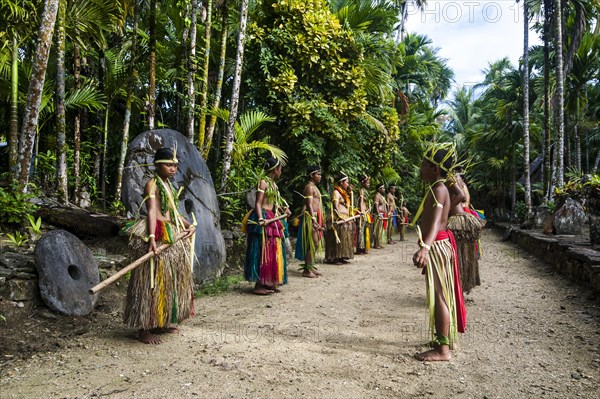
471 34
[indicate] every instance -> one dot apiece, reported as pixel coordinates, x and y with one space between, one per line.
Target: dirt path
349 334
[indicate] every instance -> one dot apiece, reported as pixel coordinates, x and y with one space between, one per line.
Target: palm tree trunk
577 145
61 125
547 126
100 158
596 163
77 126
560 130
221 74
526 169
235 94
567 145
204 91
128 105
13 137
34 94
513 178
152 68
192 63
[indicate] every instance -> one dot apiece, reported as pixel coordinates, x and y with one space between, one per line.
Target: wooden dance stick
103 284
341 221
276 219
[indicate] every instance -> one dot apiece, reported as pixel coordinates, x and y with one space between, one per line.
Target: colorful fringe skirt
265 254
363 237
160 291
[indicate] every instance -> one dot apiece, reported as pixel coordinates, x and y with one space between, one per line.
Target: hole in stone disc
74 272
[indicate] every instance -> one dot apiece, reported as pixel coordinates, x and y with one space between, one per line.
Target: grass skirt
339 242
391 225
265 254
305 245
467 229
441 263
379 236
160 291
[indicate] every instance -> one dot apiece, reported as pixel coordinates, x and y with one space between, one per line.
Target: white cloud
472 34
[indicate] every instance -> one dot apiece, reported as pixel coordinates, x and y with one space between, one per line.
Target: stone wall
571 256
19 279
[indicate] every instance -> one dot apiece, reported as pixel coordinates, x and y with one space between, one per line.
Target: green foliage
244 128
2 318
117 207
593 183
307 68
219 285
550 205
571 189
15 207
18 238
87 180
46 168
521 210
35 225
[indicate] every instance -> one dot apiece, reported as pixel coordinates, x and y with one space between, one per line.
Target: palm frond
375 123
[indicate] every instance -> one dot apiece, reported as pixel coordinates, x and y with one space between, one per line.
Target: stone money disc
251 197
67 270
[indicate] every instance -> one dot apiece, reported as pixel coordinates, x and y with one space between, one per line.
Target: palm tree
526 169
586 65
372 22
87 22
248 124
204 82
419 4
547 126
462 112
34 95
128 103
560 95
61 167
220 75
15 13
191 94
152 66
235 92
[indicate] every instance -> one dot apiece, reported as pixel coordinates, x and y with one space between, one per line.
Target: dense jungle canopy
338 83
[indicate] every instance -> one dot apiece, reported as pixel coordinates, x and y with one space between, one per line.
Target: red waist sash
461 310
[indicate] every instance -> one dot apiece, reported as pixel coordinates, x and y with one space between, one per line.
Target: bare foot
317 273
147 337
441 353
262 291
309 274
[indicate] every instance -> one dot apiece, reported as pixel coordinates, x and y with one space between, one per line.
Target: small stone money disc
67 270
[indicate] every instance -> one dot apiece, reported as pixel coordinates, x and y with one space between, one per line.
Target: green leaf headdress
432 150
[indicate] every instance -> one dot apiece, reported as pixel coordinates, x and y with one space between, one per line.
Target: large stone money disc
67 270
